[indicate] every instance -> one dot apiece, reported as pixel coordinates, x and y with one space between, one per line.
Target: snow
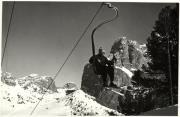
128 72
116 92
142 46
133 69
17 100
33 75
83 104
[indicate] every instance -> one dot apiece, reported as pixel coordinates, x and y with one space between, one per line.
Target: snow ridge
83 104
128 72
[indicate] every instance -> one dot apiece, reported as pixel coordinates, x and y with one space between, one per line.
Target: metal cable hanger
109 5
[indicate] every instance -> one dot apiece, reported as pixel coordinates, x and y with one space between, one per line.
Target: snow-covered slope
17 100
128 72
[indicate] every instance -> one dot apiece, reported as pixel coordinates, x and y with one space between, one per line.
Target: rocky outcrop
129 53
120 50
122 77
129 57
109 97
91 83
8 79
70 87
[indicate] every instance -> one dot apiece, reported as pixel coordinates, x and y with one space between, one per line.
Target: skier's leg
104 76
110 72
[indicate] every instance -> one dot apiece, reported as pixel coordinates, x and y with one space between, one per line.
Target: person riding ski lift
103 66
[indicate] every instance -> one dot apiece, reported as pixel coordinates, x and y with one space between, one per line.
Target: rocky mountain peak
129 53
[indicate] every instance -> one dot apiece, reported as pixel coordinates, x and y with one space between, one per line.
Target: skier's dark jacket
101 63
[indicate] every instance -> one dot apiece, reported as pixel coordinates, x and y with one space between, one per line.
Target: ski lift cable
77 42
7 35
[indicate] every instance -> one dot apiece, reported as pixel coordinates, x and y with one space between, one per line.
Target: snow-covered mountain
20 95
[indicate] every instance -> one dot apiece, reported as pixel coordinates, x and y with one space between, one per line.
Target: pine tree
165 29
162 45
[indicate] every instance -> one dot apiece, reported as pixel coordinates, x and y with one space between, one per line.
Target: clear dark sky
42 34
